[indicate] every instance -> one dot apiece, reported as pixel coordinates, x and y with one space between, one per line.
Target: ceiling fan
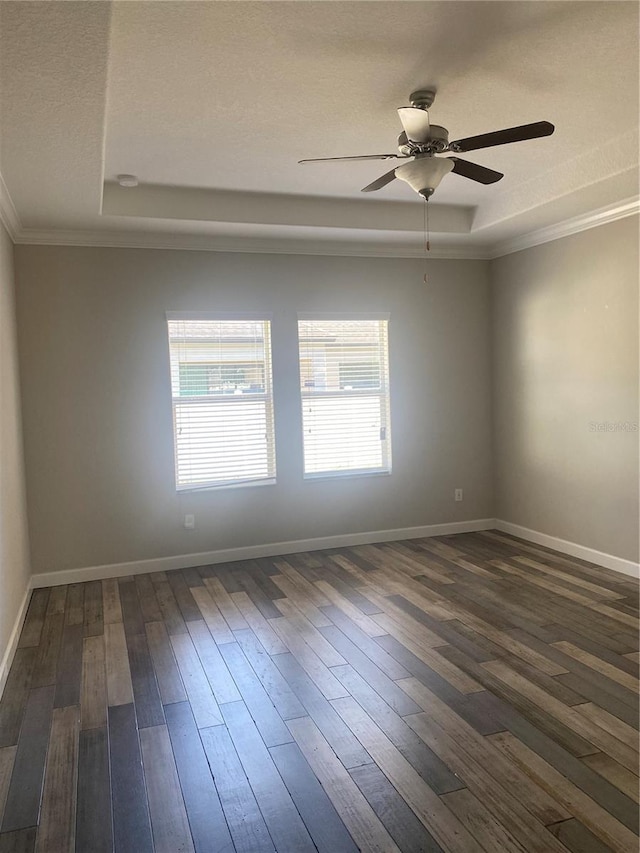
420 141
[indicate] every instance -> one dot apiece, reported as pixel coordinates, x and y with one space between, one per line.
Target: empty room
319 426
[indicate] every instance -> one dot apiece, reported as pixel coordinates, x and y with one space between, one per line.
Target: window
198 379
222 400
344 381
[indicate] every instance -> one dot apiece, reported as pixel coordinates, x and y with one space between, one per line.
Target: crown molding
8 213
593 219
204 243
460 250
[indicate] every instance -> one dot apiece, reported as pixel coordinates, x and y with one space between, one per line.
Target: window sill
346 475
224 486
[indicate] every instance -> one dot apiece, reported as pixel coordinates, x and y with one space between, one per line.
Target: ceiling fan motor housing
437 143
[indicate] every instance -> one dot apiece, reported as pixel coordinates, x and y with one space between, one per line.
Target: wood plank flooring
447 695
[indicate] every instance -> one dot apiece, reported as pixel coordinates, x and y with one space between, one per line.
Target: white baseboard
251 552
609 561
9 652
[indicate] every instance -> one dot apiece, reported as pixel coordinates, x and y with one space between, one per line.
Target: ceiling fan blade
361 157
477 173
503 137
380 182
415 122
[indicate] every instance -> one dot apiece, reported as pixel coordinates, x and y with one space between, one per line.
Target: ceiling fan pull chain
428 235
427 242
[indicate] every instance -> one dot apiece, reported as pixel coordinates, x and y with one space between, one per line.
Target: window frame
383 393
266 396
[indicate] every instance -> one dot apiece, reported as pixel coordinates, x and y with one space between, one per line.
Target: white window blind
344 377
222 400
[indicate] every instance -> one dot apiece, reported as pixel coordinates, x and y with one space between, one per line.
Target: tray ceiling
211 105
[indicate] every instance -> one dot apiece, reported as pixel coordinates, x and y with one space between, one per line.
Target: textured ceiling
227 96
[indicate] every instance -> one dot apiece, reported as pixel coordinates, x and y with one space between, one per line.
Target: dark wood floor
461 693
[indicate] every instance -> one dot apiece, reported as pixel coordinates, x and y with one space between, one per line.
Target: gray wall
565 331
14 552
97 406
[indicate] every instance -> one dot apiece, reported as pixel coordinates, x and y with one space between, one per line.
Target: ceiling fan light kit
424 173
421 141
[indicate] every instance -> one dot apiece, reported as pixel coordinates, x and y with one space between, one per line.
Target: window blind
344 383
221 385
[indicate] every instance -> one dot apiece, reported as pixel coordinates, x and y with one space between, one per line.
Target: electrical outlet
189 522
458 494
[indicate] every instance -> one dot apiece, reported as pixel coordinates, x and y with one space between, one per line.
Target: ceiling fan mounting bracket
422 98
